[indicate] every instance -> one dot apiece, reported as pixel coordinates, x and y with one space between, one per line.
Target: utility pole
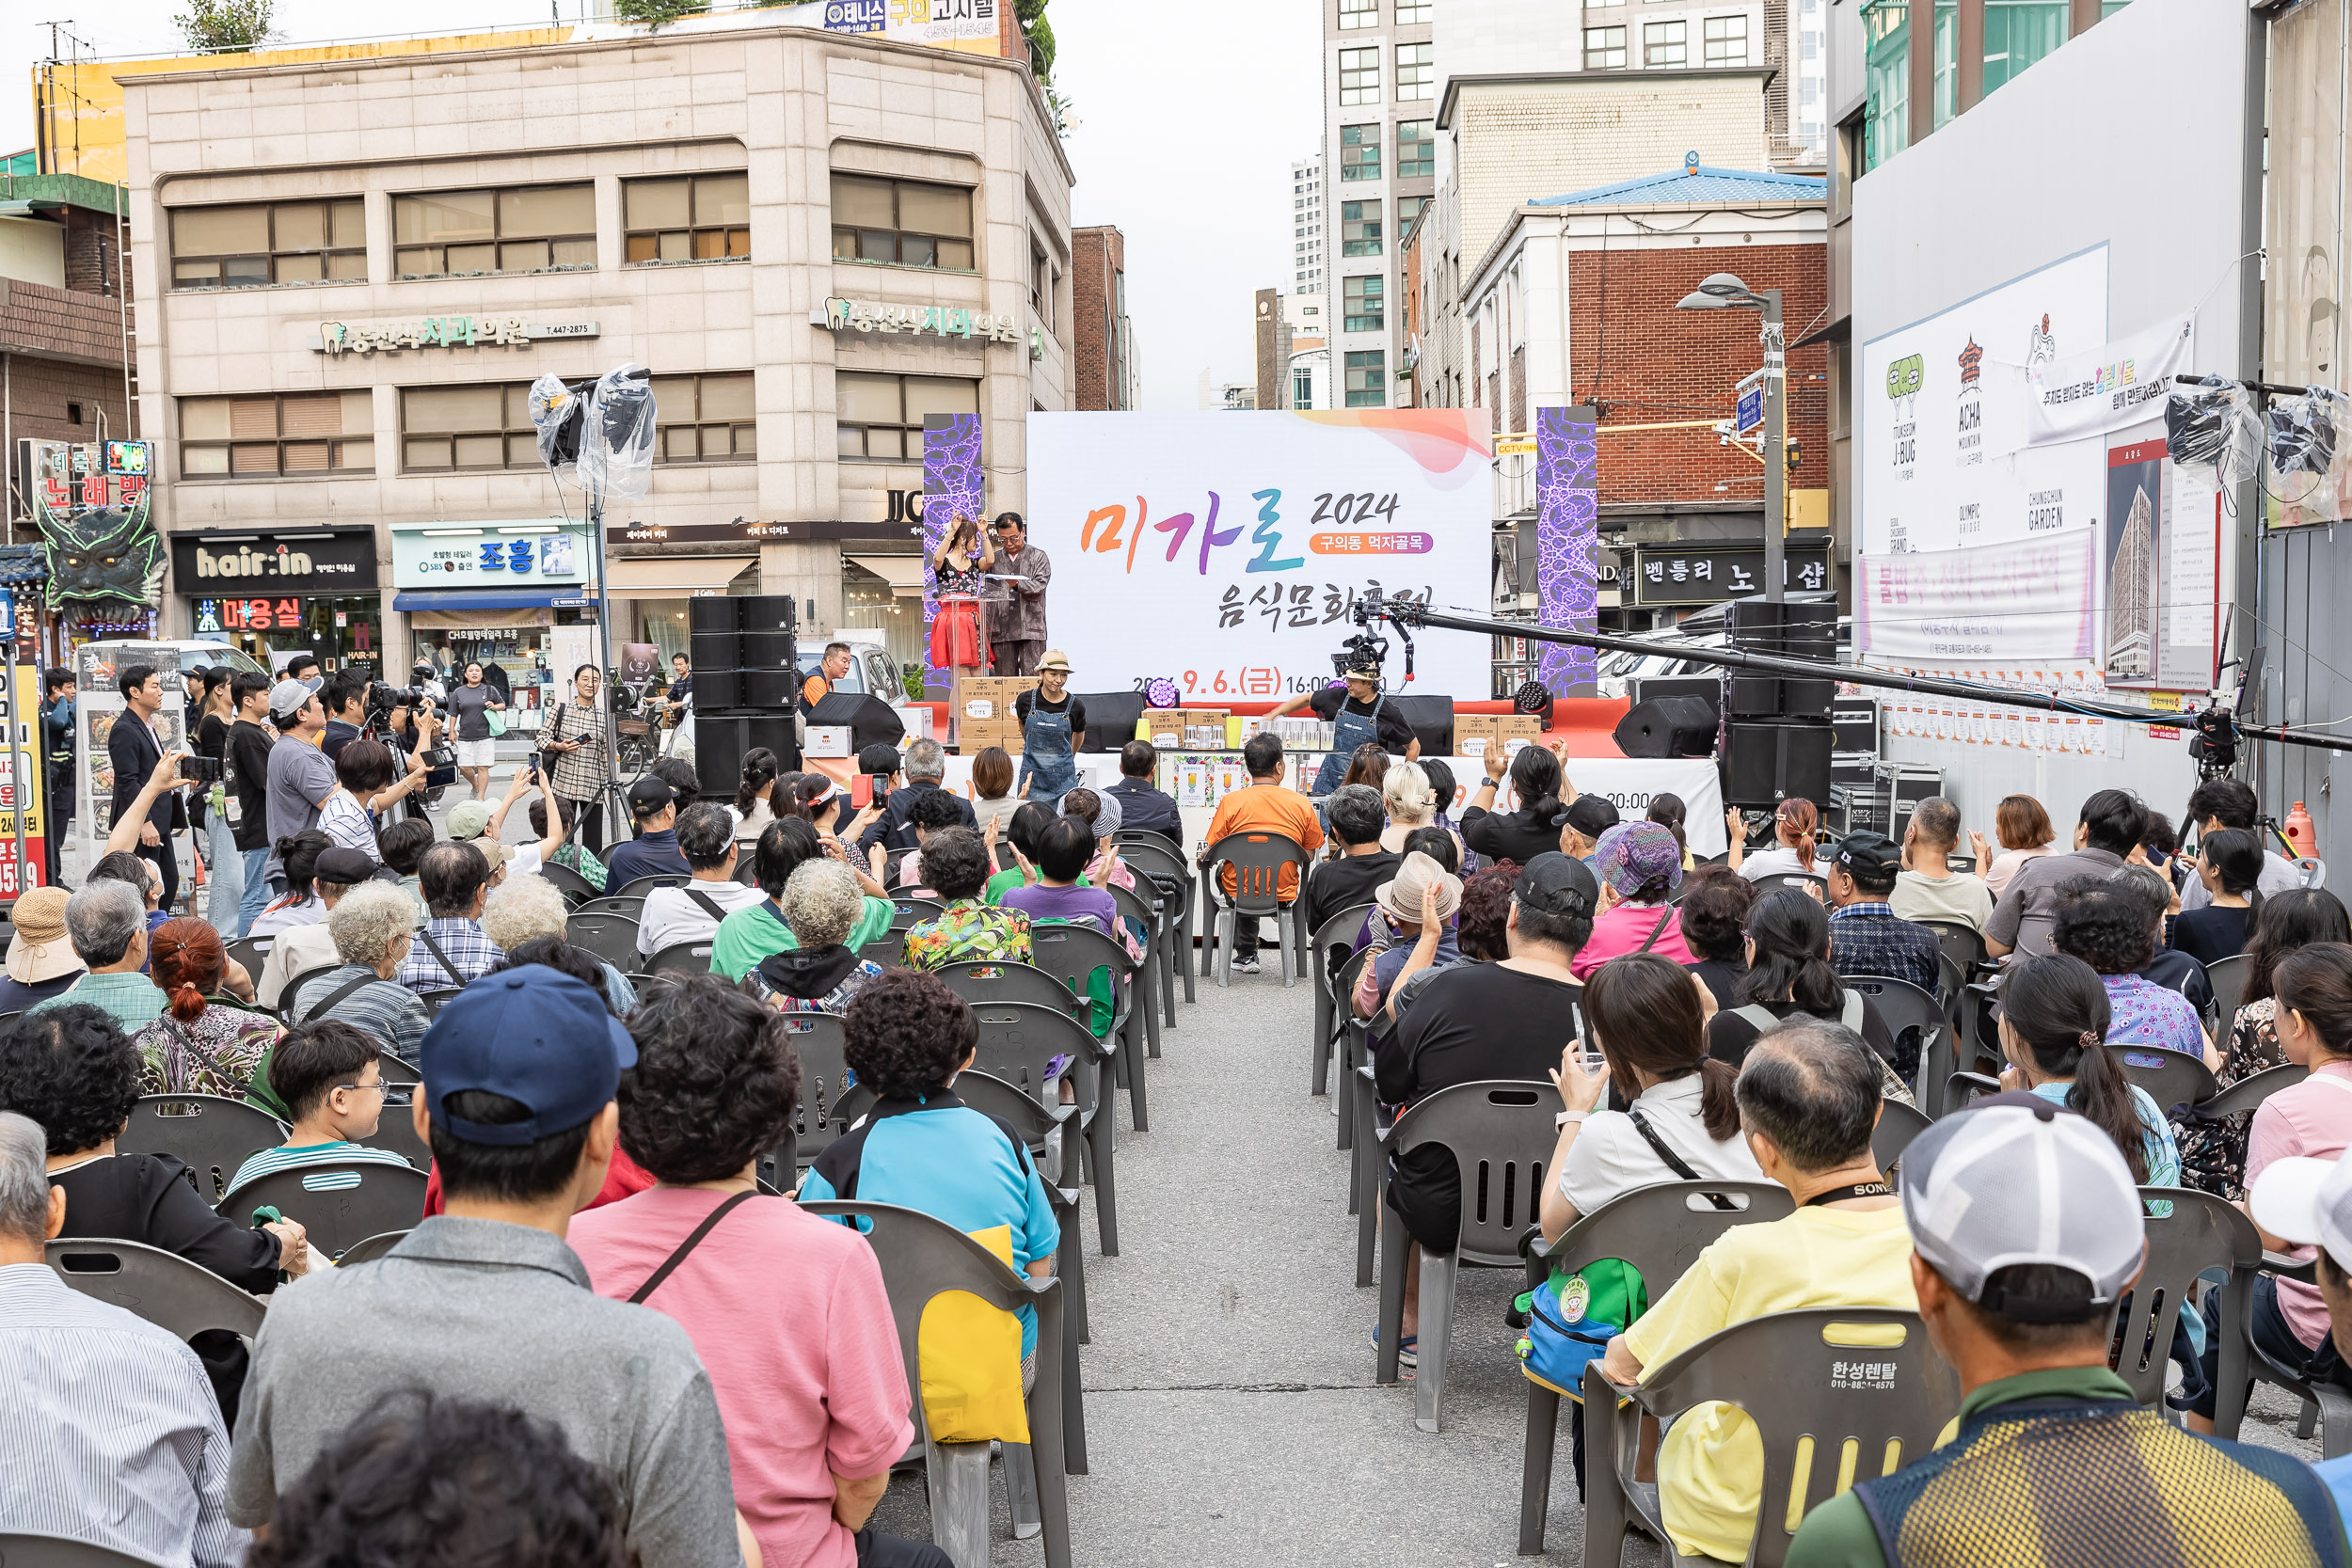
1775 448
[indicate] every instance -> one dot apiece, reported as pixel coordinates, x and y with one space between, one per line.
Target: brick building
1104 338
64 318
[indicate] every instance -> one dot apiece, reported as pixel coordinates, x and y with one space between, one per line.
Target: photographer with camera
575 745
347 699
402 717
1357 715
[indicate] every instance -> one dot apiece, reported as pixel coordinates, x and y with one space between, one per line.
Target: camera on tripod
384 697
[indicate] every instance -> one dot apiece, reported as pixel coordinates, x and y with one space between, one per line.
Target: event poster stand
98 706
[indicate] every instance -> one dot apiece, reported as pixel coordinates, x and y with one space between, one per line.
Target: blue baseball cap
534 1035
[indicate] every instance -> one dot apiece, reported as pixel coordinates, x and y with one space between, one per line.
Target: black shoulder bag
1674 1163
341 992
668 1265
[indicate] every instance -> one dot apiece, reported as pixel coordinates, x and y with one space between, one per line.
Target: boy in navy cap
654 853
487 1302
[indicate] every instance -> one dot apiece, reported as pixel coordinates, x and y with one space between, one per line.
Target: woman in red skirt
959 632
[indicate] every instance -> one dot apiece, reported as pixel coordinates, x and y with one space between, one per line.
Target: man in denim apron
1049 741
1350 729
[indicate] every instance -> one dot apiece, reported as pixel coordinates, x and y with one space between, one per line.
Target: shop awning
490 599
904 573
638 576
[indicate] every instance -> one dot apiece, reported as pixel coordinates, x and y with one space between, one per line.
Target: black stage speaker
1804 631
765 650
1707 687
717 689
710 612
1668 727
1766 764
1856 721
764 612
769 690
870 719
1432 719
721 740
1110 718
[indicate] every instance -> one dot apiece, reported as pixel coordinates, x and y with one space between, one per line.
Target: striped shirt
114 1436
271 1160
383 1010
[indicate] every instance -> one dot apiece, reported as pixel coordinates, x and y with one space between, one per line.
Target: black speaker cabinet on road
721 740
1110 718
1766 764
1668 727
871 720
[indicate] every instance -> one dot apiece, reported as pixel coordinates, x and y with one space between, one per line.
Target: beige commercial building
351 270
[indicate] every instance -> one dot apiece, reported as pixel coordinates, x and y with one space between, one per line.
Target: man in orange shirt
1267 806
835 665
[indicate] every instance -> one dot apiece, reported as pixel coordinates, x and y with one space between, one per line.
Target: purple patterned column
1567 519
953 483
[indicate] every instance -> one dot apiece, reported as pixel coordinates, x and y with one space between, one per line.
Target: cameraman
1359 715
404 719
346 700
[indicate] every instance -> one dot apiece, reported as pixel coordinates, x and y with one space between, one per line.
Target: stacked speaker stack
1777 735
747 684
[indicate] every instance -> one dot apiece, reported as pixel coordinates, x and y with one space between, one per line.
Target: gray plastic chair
1153 987
1017 1040
1951 982
2201 1232
56 1551
1962 944
1150 857
1898 1125
206 1133
989 981
906 912
1257 860
1908 1012
435 999
817 1119
2327 1407
366 1251
1795 879
1784 1372
613 903
746 873
576 889
682 957
2227 980
396 1129
1328 952
162 1288
252 952
638 887
385 1198
1501 1134
2252 1090
610 937
921 1259
2172 1078
1072 953
1660 1231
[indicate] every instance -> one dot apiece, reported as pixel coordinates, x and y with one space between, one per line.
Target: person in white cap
2026 1232
2308 1204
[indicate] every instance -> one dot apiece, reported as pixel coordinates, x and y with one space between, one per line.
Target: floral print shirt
2145 1013
2213 1149
237 1041
969 932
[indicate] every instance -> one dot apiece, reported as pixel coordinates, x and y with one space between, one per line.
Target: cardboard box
1473 734
827 740
1517 726
917 720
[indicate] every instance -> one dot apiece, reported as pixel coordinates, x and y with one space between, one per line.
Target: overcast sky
1188 118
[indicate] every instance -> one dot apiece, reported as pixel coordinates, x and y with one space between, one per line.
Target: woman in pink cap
1640 865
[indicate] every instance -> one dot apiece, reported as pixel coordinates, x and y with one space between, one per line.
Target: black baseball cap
1591 815
878 758
534 1035
648 796
1871 857
1554 883
348 867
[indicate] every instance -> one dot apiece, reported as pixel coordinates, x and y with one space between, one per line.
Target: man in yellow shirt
1809 1101
1267 806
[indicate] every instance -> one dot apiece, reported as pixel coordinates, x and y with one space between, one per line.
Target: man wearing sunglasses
330 1076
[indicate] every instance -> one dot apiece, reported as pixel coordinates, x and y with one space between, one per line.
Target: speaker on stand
747 683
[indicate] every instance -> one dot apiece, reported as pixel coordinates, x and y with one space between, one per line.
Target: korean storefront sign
509 553
938 320
1709 574
443 332
217 616
308 562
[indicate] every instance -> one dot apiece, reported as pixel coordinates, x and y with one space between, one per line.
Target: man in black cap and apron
1356 715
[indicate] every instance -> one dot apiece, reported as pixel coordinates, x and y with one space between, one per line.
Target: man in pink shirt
1640 865
786 1310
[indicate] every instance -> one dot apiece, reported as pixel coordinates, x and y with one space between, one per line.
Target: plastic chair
162 1288
2327 1407
1795 879
56 1551
906 912
209 1135
1501 1134
1072 953
1952 983
639 887
370 1250
1962 944
922 1258
2172 1078
1154 985
1898 1125
1915 1019
610 937
435 1000
2201 1232
1146 835
252 952
576 889
988 981
2227 980
287 1011
1257 860
1017 1041
1179 911
683 957
746 873
818 1041
1793 1379
1328 952
892 861
1660 1231
378 1198
396 1129
613 904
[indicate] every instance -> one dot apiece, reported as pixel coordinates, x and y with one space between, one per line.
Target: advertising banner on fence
2034 600
1223 550
2117 383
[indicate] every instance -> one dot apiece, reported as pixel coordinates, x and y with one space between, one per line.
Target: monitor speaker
1110 718
1766 764
1668 727
1432 719
722 739
871 720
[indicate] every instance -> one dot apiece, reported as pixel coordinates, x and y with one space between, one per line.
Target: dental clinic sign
937 321
339 338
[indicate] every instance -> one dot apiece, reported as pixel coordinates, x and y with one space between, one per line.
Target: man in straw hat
1417 905
1358 715
1053 727
41 962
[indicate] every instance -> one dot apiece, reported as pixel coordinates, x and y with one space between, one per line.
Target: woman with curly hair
787 1312
2107 927
199 1046
908 1036
1481 926
821 972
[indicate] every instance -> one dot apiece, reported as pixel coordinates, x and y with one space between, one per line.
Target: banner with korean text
2031 600
1223 550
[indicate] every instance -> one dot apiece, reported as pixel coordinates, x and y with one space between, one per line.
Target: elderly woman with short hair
371 928
524 908
821 904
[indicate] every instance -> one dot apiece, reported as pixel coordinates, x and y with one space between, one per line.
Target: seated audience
654 851
403 844
2054 1033
1714 915
820 973
2308 1204
1928 888
1142 805
2024 832
1438 845
1582 825
107 922
1790 973
529 908
1865 937
2166 966
1267 805
1481 925
522 860
1648 1019
992 773
1667 810
2229 866
299 905
1444 791
299 949
1522 834
685 784
1404 793
2226 805
1504 1020
520 1070
364 771
1361 864
450 950
1020 834
330 1079
113 1438
1640 865
122 865
906 1038
967 930
2108 928
2026 1230
196 1045
1368 765
1795 845
753 808
573 856
431 1483
787 1311
932 811
42 962
2113 822
2213 1149
1100 814
1808 1102
372 937
671 916
926 766
1416 910
1096 810
752 933
1063 855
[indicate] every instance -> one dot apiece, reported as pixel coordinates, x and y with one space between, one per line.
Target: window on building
1359 153
1887 82
1358 13
1361 304
1726 39
1042 289
880 418
1412 14
1302 390
691 217
1367 378
1663 43
1604 48
278 242
529 229
1359 229
1359 76
703 419
907 222
466 427
2017 33
1947 61
1416 150
300 432
1407 209
1416 72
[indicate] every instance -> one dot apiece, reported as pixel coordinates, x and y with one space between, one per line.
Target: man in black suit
135 748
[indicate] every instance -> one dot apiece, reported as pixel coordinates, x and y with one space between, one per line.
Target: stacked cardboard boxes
1476 734
984 712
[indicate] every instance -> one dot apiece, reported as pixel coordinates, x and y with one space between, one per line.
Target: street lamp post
1726 291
